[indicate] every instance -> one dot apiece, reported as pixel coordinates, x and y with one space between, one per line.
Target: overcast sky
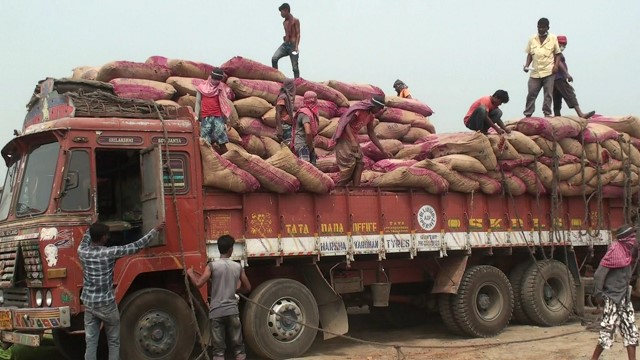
449 52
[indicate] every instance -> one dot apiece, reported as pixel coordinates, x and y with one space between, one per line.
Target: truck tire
515 278
548 303
446 313
484 303
156 324
275 337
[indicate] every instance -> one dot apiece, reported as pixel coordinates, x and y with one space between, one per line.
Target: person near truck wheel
402 89
291 40
543 51
284 110
227 278
97 294
305 128
213 109
348 153
485 114
611 289
562 88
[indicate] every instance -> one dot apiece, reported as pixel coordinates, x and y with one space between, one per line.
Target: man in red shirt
213 109
484 113
348 153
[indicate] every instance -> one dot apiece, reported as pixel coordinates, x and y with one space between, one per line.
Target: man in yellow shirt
402 89
543 50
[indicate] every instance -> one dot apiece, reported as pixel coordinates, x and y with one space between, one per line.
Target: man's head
217 74
285 10
543 26
624 231
99 233
562 41
378 103
310 98
500 97
398 85
225 245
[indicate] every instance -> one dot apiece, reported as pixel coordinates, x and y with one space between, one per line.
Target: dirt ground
570 341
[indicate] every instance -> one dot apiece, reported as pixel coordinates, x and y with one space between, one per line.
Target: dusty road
570 341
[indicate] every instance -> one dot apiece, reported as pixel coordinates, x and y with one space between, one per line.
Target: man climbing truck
90 156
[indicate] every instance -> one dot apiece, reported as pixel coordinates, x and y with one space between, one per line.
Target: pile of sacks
255 159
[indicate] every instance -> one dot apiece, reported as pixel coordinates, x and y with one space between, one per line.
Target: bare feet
588 115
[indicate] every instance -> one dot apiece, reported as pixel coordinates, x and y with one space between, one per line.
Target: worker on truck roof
284 110
348 153
402 89
611 289
562 88
291 40
305 128
213 109
485 114
542 50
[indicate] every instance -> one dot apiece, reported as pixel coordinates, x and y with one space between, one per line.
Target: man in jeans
227 277
97 295
291 40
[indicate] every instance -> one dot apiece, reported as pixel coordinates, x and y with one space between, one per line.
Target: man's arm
296 30
489 122
527 62
563 70
134 247
598 281
197 109
244 286
376 142
198 281
86 240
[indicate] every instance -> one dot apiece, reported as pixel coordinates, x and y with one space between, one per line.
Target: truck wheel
548 303
446 313
515 278
483 305
156 324
276 337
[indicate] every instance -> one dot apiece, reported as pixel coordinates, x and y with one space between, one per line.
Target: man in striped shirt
97 295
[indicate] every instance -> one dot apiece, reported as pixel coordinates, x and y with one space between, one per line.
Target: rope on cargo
398 347
187 283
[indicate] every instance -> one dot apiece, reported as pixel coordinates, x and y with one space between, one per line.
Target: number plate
5 320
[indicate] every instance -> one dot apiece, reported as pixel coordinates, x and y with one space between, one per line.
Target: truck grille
18 297
8 259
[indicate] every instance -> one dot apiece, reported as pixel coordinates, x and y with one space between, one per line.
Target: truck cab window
8 190
35 190
76 184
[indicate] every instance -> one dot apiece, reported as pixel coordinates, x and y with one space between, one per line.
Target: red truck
309 256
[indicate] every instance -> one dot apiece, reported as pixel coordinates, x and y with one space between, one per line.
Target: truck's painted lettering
398 243
365 244
331 228
396 227
475 223
576 222
428 241
297 229
454 223
365 227
333 246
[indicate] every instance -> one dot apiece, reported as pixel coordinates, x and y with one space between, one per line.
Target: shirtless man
291 40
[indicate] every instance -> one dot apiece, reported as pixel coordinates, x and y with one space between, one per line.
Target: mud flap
449 275
333 314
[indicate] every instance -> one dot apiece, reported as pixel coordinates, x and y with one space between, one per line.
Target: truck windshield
8 189
35 190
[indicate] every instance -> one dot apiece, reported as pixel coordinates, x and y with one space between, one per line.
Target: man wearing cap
348 153
305 128
562 88
213 108
402 89
291 40
611 289
542 50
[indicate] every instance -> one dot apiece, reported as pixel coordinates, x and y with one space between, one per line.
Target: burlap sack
222 174
311 179
234 136
252 106
415 152
566 126
386 130
523 144
461 162
512 184
132 70
323 142
254 145
488 185
324 92
251 126
596 153
184 85
563 160
566 172
142 89
269 176
622 124
544 173
414 134
387 165
245 68
614 148
412 177
367 177
370 150
602 179
548 147
327 164
168 103
325 108
457 182
572 147
583 176
469 143
271 147
188 68
531 181
412 105
355 91
631 151
267 90
406 117
85 73
567 189
509 165
503 148
329 129
187 100
157 60
598 133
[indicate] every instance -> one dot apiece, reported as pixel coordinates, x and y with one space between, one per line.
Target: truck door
152 194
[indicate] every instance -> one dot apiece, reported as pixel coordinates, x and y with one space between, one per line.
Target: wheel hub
284 320
156 333
489 302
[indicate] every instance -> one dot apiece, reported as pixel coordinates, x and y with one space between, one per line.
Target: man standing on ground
227 277
348 152
402 89
562 88
284 110
291 40
611 282
305 128
484 113
543 51
213 109
97 294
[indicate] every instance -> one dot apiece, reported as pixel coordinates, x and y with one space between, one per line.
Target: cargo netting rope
101 104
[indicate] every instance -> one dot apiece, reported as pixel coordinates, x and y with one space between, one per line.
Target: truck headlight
38 298
48 298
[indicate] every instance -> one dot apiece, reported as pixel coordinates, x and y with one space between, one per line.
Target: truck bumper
26 325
